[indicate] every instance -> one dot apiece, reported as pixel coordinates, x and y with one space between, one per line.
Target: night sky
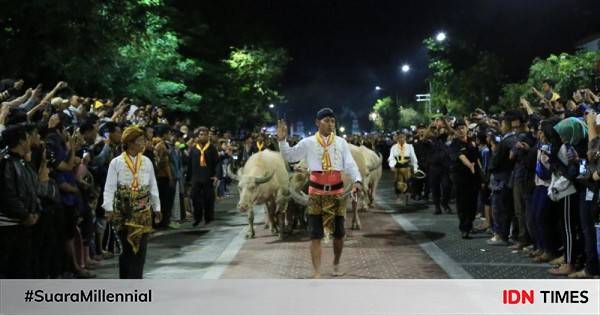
342 49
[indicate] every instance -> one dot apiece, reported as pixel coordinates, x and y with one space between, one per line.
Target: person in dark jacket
20 205
501 167
202 172
423 151
438 172
466 176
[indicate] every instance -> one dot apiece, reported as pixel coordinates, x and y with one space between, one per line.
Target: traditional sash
327 180
134 167
133 214
202 150
325 143
401 159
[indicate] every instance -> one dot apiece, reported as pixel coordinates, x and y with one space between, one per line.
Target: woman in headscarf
573 135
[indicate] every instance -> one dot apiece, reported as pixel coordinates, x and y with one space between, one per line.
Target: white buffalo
374 165
264 180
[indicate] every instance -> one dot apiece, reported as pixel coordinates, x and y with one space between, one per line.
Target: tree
102 48
253 75
68 39
463 77
388 114
570 72
410 117
158 73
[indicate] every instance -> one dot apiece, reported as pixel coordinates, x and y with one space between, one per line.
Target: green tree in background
139 49
570 72
388 114
157 72
253 75
463 77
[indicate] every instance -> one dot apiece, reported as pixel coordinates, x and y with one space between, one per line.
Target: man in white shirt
130 196
327 156
403 162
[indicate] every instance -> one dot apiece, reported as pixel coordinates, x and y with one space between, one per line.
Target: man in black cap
327 156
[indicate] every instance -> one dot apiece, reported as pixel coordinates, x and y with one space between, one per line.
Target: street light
378 88
373 116
440 37
405 68
271 106
342 129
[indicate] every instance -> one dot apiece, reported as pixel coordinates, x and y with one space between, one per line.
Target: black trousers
588 211
131 265
466 203
16 252
167 196
203 197
571 234
441 189
48 253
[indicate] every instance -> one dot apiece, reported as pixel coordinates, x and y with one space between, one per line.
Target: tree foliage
570 72
136 48
157 72
463 77
387 114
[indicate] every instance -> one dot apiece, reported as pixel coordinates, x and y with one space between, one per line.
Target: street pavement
396 241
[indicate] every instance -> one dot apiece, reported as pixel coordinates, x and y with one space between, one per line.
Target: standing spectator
164 177
20 205
202 172
466 174
501 167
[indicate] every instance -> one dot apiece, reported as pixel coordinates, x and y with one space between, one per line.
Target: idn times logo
514 296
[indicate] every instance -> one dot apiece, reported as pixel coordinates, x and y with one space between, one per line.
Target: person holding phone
573 134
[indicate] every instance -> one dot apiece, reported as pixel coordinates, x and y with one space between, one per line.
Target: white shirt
119 174
310 150
409 151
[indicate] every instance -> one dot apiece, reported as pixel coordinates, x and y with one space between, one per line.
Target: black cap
325 112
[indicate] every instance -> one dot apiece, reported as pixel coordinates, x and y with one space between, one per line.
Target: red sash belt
325 183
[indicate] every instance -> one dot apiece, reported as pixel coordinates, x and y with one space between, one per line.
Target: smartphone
582 167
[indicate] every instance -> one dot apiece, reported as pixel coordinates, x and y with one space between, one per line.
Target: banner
280 297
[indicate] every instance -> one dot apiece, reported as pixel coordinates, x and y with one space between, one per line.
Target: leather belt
327 187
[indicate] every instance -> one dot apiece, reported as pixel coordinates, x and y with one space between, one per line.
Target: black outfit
200 177
466 183
500 169
131 265
438 173
520 181
19 199
165 189
572 232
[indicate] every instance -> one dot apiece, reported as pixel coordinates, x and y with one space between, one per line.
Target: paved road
396 242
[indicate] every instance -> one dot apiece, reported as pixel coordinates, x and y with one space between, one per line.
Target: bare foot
316 275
